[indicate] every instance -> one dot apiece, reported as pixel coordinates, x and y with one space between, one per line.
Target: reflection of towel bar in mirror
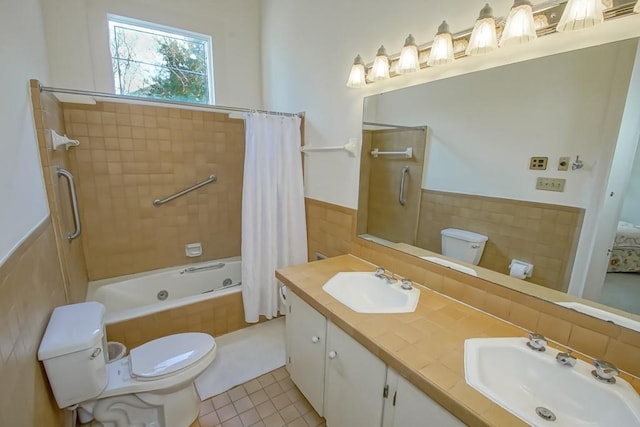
408 153
352 147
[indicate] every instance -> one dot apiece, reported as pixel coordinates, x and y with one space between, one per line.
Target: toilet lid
166 355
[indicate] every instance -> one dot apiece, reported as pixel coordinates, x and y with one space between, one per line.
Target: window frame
152 26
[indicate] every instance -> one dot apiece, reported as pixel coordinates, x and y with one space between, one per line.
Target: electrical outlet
563 163
550 184
538 163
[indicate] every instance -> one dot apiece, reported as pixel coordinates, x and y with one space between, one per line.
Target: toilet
463 245
151 387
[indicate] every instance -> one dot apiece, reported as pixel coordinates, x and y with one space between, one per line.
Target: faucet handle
536 342
406 284
379 271
605 371
566 358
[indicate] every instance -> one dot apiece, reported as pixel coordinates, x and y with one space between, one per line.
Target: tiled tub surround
543 234
130 155
47 114
426 346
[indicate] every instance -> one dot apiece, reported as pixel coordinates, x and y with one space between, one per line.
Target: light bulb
519 27
580 14
483 37
380 68
442 48
408 62
357 75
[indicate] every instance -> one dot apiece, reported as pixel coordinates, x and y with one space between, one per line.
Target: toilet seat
168 355
122 381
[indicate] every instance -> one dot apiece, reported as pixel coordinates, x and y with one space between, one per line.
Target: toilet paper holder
527 267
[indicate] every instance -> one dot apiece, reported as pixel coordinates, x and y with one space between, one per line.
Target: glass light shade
380 68
519 28
442 48
357 76
579 14
408 62
483 37
637 8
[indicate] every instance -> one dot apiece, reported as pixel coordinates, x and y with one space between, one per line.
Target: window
154 61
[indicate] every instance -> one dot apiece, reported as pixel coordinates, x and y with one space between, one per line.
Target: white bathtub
140 294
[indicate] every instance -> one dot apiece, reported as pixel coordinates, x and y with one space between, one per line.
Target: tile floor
271 400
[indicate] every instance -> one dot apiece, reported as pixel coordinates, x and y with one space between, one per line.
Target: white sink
365 293
520 380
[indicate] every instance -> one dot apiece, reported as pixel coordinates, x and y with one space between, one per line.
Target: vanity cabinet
306 330
345 383
406 405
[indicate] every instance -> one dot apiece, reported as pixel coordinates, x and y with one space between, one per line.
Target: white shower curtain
274 231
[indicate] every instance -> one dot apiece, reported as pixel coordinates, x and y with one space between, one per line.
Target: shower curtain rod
394 126
163 101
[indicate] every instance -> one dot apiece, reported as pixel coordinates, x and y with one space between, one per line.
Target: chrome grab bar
159 202
408 153
74 202
204 267
403 174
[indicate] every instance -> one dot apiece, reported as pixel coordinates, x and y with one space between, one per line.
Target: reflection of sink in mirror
601 314
450 264
533 386
365 293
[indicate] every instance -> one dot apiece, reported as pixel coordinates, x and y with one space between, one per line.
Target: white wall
23 203
485 126
77 40
308 48
631 206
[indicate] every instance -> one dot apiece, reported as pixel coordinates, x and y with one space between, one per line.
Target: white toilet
463 245
152 387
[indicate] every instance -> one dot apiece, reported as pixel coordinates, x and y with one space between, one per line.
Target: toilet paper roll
519 271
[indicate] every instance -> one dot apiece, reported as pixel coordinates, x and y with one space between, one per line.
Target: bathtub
142 294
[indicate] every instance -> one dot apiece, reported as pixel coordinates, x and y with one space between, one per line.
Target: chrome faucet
566 358
605 371
381 275
536 342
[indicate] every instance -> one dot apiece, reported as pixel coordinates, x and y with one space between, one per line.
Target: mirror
488 138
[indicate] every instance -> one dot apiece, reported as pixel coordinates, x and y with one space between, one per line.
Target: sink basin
521 380
365 293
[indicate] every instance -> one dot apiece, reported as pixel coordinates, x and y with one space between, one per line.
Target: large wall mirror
473 139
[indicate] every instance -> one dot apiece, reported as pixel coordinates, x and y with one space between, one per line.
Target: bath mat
242 356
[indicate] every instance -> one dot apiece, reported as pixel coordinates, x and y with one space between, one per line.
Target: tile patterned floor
271 400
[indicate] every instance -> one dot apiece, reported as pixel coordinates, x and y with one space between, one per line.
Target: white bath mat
242 356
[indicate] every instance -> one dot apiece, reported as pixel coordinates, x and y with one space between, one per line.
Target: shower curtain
274 233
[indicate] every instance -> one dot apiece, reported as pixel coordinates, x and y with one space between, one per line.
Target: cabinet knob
333 354
315 339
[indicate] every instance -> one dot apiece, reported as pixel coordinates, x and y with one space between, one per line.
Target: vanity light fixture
483 37
442 48
580 14
408 62
519 27
380 67
357 76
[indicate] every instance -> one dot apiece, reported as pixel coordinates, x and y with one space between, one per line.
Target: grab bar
408 153
403 174
159 202
204 267
74 202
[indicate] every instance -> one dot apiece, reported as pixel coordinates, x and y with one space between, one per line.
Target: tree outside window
150 61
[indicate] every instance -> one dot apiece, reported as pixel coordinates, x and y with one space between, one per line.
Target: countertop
425 346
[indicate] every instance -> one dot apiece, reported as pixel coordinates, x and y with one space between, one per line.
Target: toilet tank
463 245
73 352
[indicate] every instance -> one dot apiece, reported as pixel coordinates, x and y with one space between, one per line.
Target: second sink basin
365 293
534 386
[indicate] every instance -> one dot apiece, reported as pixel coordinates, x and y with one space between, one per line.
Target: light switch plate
550 184
563 163
538 163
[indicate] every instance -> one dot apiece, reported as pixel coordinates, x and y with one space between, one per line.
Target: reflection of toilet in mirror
463 245
152 386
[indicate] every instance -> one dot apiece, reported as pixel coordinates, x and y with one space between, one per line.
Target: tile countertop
426 346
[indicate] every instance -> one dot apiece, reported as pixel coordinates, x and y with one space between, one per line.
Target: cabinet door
305 334
408 406
354 382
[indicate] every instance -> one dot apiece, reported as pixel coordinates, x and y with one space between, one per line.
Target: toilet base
174 409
